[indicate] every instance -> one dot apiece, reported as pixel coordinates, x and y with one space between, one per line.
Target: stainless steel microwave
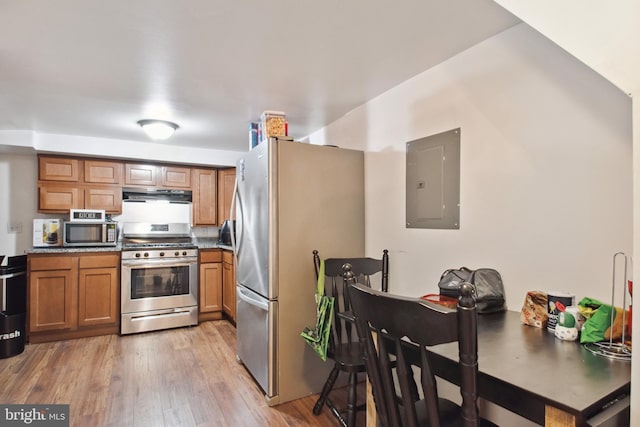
90 234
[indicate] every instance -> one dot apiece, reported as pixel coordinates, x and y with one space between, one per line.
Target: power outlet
14 227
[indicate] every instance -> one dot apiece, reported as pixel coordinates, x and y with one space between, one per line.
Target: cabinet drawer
227 256
214 255
100 261
46 262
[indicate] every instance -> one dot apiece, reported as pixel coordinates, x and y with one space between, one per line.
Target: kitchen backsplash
204 231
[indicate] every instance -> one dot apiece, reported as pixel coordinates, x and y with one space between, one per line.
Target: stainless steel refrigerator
290 199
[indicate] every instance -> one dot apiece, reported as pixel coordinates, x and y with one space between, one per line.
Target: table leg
554 417
372 417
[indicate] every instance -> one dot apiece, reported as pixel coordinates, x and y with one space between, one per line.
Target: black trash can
13 309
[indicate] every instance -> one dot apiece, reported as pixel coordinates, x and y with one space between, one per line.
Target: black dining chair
396 332
344 346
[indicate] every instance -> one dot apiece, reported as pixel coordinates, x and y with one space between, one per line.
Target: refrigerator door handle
232 212
249 299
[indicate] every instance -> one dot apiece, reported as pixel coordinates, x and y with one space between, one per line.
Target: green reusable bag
599 325
318 336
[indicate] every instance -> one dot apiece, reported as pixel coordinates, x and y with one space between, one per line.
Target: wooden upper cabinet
58 169
137 174
60 197
107 198
158 176
102 172
226 183
176 177
204 196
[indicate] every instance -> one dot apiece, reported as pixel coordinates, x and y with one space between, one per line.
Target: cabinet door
176 177
107 198
102 172
226 183
99 289
59 197
210 287
204 197
98 296
53 295
228 285
136 174
58 169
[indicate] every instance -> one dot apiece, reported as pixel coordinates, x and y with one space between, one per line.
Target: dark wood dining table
530 372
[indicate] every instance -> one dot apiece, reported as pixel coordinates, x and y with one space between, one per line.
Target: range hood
159 212
130 194
155 230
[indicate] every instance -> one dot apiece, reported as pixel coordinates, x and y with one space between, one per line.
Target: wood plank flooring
177 377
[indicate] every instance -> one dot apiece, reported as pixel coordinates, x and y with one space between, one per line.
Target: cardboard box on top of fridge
274 123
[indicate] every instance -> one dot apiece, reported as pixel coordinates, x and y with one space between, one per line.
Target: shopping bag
318 336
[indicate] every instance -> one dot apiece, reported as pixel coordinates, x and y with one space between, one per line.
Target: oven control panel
174 253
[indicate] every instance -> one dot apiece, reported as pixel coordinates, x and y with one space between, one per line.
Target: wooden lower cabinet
210 280
228 285
99 290
53 290
73 296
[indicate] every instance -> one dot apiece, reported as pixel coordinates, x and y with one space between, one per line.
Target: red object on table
449 302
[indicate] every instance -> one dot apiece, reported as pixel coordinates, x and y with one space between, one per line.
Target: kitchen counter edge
200 243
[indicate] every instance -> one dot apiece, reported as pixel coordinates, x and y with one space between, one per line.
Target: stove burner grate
134 244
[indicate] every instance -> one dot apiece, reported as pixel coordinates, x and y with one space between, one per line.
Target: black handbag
487 284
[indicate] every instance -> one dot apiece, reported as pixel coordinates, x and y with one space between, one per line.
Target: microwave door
83 233
89 234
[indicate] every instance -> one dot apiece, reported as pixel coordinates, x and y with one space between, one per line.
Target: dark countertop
201 243
523 368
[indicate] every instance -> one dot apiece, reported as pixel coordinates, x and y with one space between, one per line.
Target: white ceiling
95 67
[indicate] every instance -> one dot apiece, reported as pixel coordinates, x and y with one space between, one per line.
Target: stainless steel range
159 271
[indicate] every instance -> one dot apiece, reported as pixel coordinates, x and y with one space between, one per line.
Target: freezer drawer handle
244 296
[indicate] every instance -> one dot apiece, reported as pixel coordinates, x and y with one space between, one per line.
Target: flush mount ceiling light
158 129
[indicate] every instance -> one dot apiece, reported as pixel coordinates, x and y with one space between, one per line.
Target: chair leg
351 399
328 385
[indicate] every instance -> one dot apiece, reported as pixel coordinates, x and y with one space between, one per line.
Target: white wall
19 173
604 35
546 169
144 151
546 181
18 200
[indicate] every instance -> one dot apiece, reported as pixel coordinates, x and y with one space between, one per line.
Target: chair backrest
384 323
367 271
